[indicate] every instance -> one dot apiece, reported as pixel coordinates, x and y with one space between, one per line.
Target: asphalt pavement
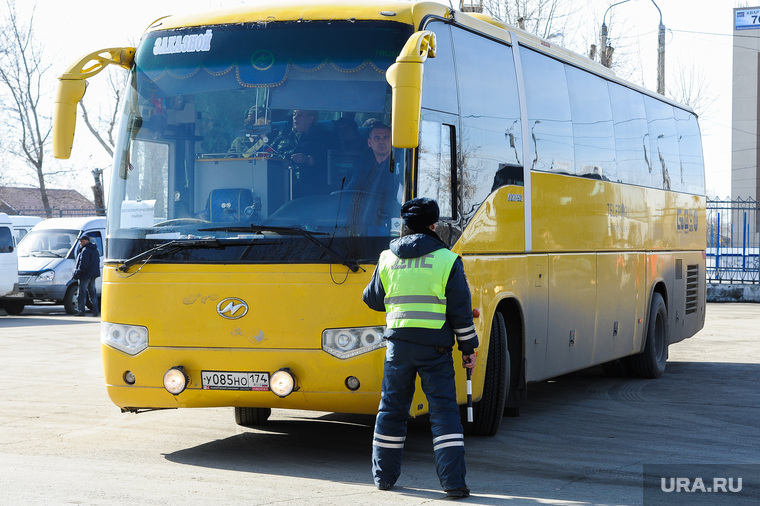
583 439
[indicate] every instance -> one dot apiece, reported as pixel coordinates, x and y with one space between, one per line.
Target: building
745 123
28 201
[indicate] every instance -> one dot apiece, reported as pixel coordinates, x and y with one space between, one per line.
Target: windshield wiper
170 247
257 229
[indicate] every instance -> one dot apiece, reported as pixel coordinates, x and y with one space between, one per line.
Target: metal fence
61 213
733 241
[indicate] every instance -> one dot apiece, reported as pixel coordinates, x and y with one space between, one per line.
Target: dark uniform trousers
403 361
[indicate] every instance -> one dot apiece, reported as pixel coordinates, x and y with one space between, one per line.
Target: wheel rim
659 332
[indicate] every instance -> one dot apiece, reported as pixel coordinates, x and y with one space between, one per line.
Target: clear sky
698 38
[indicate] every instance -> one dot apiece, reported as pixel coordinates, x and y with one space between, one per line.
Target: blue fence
733 241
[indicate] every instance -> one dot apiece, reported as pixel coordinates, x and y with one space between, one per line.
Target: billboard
747 19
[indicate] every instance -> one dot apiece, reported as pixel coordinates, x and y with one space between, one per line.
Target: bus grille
692 288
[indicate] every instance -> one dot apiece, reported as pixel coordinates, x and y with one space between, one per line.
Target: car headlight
347 343
131 339
45 277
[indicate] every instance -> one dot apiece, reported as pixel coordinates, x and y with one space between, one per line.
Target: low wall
733 293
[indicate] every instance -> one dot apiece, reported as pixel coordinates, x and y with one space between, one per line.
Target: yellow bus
234 274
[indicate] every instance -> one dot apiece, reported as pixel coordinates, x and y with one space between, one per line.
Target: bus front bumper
321 381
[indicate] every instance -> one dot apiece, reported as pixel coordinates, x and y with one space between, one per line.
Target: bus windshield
269 137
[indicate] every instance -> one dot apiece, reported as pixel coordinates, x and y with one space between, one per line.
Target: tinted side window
439 90
691 174
593 133
634 159
491 137
663 142
6 240
549 118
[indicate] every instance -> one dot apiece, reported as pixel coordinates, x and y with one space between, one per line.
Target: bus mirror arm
71 87
405 78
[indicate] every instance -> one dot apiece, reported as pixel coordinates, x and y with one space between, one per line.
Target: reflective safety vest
415 288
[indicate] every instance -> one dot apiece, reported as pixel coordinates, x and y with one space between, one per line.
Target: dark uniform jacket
458 301
88 262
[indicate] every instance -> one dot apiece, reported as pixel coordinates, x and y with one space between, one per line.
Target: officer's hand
468 361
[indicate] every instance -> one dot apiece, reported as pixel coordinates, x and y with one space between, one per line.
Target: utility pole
605 51
660 56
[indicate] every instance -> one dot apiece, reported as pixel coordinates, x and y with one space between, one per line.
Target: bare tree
690 88
545 18
103 129
21 72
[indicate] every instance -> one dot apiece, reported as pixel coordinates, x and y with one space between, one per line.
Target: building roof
28 200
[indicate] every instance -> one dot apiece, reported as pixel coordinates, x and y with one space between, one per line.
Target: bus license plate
223 380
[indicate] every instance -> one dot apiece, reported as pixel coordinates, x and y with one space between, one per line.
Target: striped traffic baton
469 395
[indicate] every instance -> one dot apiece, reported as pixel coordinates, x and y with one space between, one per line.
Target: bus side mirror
71 87
405 78
70 92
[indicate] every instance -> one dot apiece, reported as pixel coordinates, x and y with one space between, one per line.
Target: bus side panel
686 303
621 308
498 224
572 297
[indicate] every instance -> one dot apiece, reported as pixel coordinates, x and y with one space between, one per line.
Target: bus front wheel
252 417
489 410
650 363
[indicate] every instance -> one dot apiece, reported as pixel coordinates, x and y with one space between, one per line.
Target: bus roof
411 13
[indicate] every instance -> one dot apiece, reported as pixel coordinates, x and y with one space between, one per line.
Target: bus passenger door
436 175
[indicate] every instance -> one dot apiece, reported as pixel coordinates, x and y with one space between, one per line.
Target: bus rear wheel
650 363
252 417
489 410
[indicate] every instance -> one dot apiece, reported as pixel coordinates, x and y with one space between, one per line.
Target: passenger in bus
305 146
255 140
347 132
376 185
421 286
373 173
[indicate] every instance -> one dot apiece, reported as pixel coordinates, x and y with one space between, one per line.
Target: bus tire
13 308
650 363
489 410
252 417
70 299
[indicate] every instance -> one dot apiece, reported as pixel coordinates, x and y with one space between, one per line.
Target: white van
8 260
22 225
46 262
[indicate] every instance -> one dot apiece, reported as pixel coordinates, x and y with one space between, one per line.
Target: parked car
46 262
22 225
8 257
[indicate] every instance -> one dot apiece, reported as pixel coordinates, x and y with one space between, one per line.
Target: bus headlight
131 339
282 383
175 380
347 343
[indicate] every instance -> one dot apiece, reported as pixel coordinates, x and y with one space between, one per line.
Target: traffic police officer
422 288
